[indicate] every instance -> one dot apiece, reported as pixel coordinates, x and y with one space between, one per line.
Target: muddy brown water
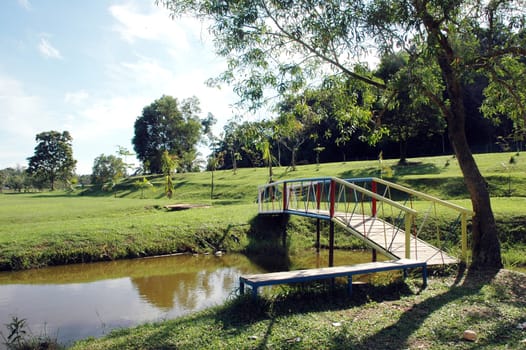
89 300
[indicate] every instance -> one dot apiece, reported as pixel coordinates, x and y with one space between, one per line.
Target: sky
90 67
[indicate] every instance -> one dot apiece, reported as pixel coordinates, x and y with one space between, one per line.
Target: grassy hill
90 225
439 176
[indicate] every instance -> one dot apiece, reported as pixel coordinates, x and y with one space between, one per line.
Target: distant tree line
333 123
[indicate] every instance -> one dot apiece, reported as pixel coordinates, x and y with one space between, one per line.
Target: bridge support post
464 238
373 189
331 244
408 226
318 236
284 195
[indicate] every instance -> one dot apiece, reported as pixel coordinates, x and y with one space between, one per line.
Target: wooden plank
392 239
283 277
335 271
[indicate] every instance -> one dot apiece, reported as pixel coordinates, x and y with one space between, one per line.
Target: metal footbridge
397 221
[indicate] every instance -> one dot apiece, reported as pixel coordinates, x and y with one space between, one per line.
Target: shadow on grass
399 170
450 187
303 298
357 173
415 168
242 312
397 335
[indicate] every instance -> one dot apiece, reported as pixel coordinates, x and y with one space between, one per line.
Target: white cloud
76 97
133 24
164 57
48 50
25 4
23 115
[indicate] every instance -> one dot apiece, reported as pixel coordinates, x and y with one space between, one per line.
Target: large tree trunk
485 243
403 152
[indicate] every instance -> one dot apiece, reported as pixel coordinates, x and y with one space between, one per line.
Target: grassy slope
56 228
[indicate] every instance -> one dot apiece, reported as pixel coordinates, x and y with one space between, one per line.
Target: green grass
47 230
41 229
428 174
395 316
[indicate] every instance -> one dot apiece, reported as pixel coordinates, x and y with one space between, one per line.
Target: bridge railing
430 209
355 202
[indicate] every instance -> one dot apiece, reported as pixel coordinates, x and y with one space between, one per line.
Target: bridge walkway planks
266 279
382 235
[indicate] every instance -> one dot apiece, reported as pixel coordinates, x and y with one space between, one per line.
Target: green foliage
15 179
17 331
167 125
143 185
19 337
53 159
107 171
407 113
168 163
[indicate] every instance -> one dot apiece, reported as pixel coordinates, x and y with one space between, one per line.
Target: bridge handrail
375 196
345 183
423 195
282 200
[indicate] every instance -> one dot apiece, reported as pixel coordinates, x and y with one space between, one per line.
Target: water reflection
77 301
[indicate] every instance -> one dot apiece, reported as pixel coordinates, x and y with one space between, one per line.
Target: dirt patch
184 206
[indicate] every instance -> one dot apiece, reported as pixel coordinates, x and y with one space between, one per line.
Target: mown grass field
90 225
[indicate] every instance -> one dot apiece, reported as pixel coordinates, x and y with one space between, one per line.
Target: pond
89 300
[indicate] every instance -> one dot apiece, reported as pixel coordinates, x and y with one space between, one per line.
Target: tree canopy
53 158
284 44
107 170
167 125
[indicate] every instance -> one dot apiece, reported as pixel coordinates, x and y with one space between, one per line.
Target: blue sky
89 67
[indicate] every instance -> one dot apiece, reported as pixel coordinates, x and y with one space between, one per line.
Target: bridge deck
384 236
284 277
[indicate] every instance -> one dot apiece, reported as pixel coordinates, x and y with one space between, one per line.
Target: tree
143 184
266 153
107 171
14 178
166 125
3 178
406 115
233 137
214 161
168 164
278 43
124 153
53 159
293 124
